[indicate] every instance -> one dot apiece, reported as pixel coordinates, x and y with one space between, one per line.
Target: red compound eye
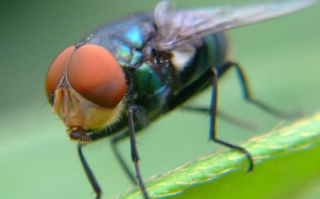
96 75
57 70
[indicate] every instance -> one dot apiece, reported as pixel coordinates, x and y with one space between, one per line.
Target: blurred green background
281 58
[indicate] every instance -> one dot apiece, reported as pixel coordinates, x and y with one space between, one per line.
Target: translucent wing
178 27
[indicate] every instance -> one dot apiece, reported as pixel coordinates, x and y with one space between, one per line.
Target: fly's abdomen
216 49
211 54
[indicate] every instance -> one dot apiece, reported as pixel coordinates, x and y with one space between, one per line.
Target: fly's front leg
92 179
246 92
213 135
134 151
119 157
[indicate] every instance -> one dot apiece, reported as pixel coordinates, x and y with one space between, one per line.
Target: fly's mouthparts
79 135
74 128
68 130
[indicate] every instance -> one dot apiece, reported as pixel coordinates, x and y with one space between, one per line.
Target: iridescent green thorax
125 38
154 79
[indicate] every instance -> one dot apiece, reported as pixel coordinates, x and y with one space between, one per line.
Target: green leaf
295 161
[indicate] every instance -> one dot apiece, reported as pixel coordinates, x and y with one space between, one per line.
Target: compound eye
96 75
57 70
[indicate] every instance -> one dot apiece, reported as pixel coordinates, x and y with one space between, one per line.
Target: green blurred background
281 58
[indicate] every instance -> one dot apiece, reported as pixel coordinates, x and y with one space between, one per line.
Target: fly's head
86 87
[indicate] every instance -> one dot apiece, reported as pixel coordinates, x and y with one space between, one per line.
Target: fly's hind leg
247 95
193 88
213 111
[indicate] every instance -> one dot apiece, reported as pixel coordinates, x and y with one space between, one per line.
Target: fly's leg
92 179
246 93
225 116
193 88
134 151
213 134
119 157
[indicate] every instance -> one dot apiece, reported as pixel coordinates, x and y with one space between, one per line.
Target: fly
130 72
